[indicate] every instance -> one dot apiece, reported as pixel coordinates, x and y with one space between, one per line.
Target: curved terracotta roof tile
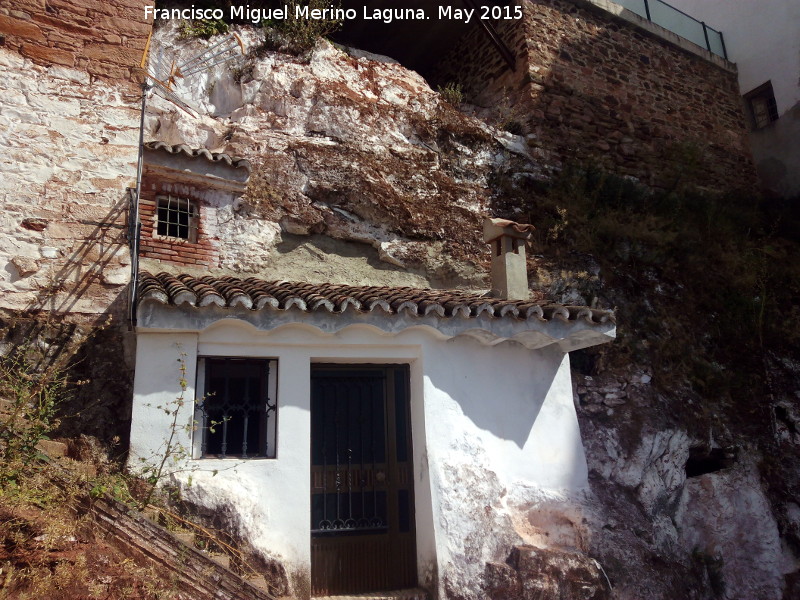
256 294
236 162
518 227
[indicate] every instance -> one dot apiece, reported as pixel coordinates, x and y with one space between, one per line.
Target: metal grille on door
361 494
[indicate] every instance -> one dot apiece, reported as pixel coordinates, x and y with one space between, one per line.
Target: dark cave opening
709 460
417 44
783 418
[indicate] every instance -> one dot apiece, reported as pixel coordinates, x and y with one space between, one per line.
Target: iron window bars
177 217
236 416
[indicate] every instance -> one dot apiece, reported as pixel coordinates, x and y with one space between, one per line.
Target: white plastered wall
485 421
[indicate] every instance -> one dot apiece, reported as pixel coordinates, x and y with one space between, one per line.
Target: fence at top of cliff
678 22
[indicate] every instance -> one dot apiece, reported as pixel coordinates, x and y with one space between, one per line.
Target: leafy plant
298 36
451 93
203 29
30 403
172 456
172 450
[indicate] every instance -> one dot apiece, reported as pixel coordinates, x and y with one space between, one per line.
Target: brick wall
69 120
592 87
201 252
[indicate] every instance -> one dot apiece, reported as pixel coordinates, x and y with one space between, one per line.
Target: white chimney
509 268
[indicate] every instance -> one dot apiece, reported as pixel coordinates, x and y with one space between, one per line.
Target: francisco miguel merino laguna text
386 15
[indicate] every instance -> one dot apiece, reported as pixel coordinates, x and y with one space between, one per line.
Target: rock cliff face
354 148
364 175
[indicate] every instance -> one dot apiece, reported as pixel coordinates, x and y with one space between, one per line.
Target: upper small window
761 106
177 217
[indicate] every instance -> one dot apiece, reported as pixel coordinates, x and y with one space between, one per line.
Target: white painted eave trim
532 333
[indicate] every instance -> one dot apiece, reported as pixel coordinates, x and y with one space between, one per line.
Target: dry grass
704 284
49 551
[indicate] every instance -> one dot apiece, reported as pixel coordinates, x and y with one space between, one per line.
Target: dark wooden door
362 497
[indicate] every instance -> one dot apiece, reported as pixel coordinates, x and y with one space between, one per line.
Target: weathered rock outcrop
363 174
359 150
531 573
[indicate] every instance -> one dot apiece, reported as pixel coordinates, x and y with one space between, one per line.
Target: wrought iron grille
237 416
350 435
177 217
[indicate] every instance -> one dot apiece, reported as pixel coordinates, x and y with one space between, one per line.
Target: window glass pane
401 412
175 218
348 423
238 415
636 6
677 22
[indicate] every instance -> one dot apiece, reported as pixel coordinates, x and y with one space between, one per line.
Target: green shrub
203 29
298 36
31 399
451 93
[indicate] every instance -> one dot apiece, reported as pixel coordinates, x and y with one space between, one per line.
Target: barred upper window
177 217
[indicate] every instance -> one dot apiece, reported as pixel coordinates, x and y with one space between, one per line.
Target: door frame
395 551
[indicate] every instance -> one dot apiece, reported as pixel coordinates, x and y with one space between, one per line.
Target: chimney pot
509 265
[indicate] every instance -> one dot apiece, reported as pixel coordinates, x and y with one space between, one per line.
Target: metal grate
362 511
237 415
177 217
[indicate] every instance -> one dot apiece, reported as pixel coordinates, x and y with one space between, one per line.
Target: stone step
414 594
259 582
195 573
83 469
6 406
221 559
187 537
152 514
52 449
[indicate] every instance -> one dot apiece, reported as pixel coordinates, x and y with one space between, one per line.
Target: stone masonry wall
478 66
591 87
69 124
69 116
103 39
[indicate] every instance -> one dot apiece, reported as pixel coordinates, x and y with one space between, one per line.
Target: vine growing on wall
173 456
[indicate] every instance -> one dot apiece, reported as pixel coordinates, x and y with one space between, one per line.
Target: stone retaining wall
103 39
592 87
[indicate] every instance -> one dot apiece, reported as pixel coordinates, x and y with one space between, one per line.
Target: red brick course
202 252
105 38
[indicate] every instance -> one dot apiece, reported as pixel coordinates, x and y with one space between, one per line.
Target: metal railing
678 22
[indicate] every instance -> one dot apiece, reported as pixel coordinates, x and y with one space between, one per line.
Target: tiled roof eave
258 294
235 162
185 301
